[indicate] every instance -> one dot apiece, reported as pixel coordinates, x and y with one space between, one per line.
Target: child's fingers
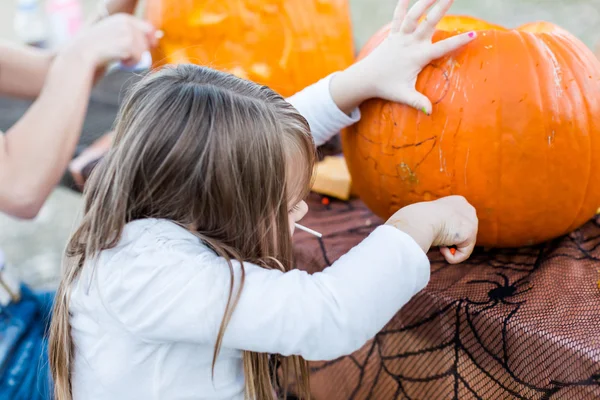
456 255
443 47
445 251
417 100
455 258
426 29
399 15
414 15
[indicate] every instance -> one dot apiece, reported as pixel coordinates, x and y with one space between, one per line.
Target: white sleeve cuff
419 260
389 251
324 117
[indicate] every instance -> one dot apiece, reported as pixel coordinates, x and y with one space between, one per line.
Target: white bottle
30 23
65 17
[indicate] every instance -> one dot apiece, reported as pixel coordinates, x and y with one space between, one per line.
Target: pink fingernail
472 34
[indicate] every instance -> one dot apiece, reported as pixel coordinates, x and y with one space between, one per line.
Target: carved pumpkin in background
285 44
515 129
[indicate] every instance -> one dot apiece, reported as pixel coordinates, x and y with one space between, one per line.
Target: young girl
179 282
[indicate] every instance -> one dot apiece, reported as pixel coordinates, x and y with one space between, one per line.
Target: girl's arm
23 70
389 72
169 288
181 297
36 150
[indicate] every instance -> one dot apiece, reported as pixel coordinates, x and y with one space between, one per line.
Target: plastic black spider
501 292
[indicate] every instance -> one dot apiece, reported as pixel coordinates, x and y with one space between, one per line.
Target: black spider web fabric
507 324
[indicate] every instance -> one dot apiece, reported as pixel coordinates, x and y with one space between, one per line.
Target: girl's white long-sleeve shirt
145 322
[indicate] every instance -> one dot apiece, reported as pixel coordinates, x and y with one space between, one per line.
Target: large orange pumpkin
515 129
285 44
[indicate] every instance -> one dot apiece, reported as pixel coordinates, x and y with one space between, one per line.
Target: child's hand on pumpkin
390 71
449 221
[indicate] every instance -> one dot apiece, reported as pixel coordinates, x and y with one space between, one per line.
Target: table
507 324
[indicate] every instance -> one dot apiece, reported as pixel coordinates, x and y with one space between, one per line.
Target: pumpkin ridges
577 63
359 148
499 211
529 51
532 138
532 51
382 189
538 185
560 106
462 153
552 98
594 112
549 104
486 111
577 208
492 213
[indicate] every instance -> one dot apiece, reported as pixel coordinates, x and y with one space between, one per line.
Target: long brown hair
212 153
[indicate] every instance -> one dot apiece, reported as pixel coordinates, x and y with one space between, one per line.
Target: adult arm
23 70
35 151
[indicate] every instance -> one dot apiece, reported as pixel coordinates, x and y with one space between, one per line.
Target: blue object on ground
24 372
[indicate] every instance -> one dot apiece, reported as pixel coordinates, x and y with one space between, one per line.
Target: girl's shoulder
157 229
138 284
156 239
148 250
